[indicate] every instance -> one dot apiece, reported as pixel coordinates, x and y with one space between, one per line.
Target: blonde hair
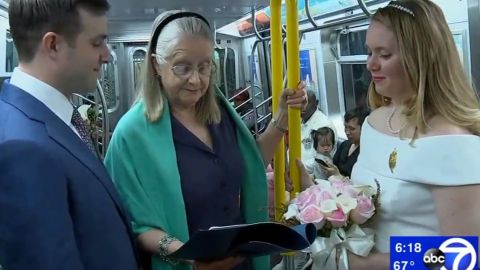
150 88
433 65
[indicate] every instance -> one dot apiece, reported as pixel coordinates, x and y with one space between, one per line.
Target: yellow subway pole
293 115
277 85
293 77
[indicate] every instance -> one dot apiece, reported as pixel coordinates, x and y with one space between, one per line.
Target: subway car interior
332 54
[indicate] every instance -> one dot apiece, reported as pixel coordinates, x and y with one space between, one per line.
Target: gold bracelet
277 126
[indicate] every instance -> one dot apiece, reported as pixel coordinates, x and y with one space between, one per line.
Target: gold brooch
392 160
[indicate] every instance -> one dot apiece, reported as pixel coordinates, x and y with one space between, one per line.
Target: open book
246 240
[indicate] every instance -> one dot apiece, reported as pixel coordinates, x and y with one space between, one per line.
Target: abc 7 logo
435 258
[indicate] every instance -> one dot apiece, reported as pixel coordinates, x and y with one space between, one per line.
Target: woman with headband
181 157
421 141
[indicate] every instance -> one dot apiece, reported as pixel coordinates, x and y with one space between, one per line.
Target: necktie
82 130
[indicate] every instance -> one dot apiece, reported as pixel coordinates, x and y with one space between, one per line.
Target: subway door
121 77
257 77
311 68
114 84
226 60
109 83
230 80
136 56
8 52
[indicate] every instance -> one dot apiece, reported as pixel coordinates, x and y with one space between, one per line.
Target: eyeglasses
185 71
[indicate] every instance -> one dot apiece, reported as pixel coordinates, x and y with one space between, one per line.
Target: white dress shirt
46 94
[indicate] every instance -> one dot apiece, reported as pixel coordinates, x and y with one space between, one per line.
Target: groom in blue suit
58 207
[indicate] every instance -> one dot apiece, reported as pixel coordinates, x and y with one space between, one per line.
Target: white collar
47 94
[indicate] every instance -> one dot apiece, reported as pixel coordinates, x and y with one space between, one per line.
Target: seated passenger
312 119
348 151
324 143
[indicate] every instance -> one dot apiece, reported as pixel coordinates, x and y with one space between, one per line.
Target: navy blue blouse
211 179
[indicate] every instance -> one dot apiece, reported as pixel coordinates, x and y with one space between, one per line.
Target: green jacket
142 161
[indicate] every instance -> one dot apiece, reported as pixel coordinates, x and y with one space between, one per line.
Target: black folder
246 240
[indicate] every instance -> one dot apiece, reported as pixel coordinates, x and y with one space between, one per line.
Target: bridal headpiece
401 6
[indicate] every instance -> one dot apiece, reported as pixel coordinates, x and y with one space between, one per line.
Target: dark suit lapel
62 134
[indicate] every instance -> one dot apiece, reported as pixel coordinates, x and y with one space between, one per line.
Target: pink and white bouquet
337 207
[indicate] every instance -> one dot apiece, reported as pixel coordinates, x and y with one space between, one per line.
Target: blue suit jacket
58 207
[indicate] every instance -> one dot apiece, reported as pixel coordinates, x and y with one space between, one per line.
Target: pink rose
311 214
350 191
338 218
305 199
340 186
337 184
322 193
336 178
364 211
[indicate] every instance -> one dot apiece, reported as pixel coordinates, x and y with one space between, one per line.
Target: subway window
137 62
226 72
353 43
108 83
356 80
11 54
352 59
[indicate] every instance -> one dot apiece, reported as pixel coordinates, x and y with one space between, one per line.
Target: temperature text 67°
403 265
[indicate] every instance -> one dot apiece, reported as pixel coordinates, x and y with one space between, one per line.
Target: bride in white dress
421 141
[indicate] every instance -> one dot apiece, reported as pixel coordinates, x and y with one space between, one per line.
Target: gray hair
151 89
176 29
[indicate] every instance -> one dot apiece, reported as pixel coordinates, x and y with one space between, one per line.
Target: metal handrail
265 117
364 8
255 109
215 35
105 122
225 72
255 106
252 82
338 22
309 16
352 18
263 102
102 106
114 82
243 103
246 114
239 93
84 98
250 98
328 24
254 22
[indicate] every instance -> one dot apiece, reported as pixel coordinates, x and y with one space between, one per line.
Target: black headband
170 18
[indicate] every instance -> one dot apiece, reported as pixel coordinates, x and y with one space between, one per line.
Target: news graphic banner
434 252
